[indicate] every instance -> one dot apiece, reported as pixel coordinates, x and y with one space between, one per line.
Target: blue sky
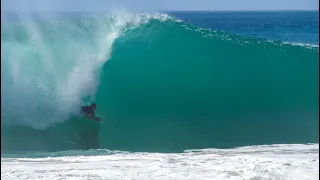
156 5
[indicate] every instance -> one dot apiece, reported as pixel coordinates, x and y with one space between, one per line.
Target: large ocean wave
160 84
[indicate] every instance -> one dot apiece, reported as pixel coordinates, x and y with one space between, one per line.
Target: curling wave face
160 84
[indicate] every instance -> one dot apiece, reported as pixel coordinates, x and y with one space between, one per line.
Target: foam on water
300 162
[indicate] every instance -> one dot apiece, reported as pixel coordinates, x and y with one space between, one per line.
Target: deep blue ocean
286 26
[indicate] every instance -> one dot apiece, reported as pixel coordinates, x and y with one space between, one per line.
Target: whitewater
256 162
177 101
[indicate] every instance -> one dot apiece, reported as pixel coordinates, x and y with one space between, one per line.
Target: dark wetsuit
87 110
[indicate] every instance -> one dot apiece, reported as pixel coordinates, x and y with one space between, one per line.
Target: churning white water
294 162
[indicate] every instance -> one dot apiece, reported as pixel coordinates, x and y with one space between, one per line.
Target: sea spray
49 66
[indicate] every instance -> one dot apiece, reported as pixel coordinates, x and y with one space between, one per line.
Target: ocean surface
182 95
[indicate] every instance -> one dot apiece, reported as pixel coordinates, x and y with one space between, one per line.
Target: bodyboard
98 119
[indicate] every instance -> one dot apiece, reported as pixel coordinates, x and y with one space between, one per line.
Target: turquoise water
160 85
